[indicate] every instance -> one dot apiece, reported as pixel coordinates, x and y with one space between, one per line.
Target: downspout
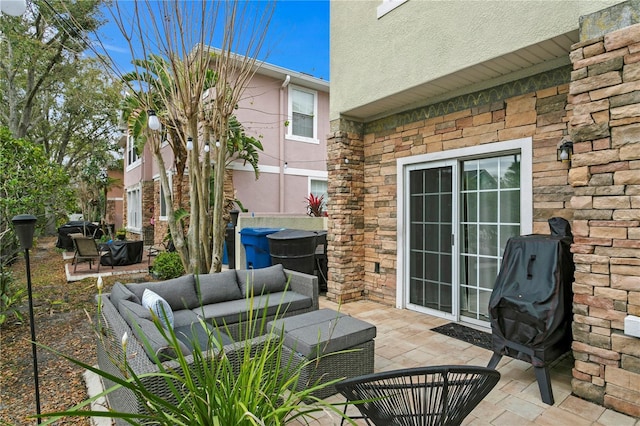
283 113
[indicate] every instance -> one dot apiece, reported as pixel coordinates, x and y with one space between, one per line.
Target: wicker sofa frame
111 357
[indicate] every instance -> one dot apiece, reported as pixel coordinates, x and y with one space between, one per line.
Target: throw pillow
159 307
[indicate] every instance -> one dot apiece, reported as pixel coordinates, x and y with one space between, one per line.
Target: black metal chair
87 249
438 395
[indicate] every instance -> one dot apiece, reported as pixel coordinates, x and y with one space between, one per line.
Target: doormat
466 334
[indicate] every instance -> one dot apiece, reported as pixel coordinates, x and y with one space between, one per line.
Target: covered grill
530 306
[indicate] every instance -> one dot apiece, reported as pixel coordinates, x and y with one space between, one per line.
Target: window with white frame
132 152
318 187
303 115
164 211
134 209
387 6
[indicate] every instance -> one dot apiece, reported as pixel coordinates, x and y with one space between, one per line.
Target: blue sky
297 39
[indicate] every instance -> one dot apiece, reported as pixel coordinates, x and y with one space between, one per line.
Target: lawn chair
87 249
439 395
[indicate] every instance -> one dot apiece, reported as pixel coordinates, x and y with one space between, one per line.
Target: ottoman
326 345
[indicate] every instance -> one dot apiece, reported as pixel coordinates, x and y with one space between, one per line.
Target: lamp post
24 225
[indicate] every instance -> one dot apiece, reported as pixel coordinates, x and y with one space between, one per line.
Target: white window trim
317 179
138 160
387 6
290 135
129 227
524 145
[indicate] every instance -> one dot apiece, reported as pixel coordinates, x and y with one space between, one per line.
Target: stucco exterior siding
423 40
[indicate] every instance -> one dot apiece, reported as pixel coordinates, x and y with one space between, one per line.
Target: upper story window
132 152
303 115
387 6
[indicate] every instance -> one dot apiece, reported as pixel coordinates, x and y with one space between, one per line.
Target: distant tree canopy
55 96
29 183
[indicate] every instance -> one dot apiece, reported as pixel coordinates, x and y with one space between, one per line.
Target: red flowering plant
315 205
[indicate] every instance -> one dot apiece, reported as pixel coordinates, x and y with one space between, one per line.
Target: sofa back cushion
120 292
220 287
179 292
262 281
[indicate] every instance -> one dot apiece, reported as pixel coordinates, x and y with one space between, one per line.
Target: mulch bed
64 314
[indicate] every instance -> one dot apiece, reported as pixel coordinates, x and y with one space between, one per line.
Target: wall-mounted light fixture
565 150
189 143
346 160
154 121
286 164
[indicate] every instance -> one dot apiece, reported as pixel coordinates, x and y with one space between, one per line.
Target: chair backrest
148 236
439 395
86 246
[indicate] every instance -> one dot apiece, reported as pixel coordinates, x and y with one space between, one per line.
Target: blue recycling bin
256 246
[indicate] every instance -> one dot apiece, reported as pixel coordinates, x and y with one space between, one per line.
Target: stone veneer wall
362 246
345 240
605 174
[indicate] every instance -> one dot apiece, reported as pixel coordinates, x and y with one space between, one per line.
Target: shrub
10 297
168 265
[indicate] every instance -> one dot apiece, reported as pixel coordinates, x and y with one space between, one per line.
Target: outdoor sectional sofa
221 300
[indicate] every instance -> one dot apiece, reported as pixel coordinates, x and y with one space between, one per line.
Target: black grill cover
123 253
531 300
88 229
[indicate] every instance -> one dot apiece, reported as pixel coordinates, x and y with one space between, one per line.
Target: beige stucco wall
425 39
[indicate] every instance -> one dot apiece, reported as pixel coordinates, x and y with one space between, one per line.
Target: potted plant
315 205
121 234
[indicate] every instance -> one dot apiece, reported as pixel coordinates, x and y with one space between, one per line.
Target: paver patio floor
404 339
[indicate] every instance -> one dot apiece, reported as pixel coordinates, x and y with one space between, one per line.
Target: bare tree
200 90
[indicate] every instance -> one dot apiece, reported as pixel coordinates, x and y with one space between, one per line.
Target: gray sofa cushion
219 287
120 292
147 332
262 281
128 307
184 317
235 311
179 292
189 334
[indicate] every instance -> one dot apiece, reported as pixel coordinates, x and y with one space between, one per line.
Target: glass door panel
431 251
489 216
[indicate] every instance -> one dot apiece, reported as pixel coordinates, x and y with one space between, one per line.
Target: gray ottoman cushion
321 332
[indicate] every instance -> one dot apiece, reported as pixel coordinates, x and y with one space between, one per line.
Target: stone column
345 240
605 126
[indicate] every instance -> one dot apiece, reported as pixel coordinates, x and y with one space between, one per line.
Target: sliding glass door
431 255
459 214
